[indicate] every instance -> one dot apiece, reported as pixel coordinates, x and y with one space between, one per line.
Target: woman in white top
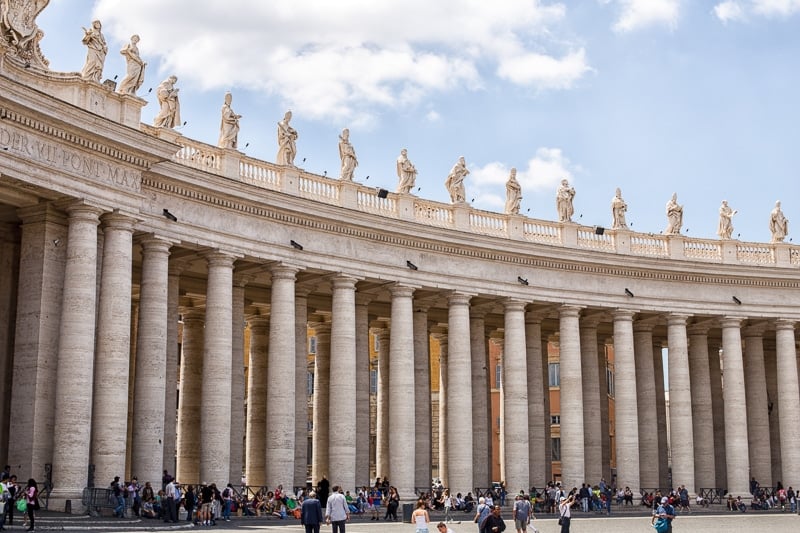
420 517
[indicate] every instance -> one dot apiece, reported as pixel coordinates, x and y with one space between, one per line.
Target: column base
59 499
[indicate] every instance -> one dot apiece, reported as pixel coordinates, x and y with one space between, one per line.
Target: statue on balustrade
134 73
778 223
19 32
513 193
674 216
564 198
725 226
348 156
287 139
229 125
618 210
406 172
169 115
96 51
455 182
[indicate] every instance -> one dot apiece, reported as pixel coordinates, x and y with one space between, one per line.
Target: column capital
363 298
178 265
241 280
81 211
343 281
589 322
459 298
623 315
41 213
677 319
754 330
567 311
698 329
731 322
257 321
154 243
512 304
401 291
785 324
641 326
284 271
219 258
192 314
118 221
535 317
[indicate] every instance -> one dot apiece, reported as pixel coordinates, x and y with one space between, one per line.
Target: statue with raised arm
96 51
674 216
778 223
725 226
169 115
406 172
564 197
287 138
18 30
618 210
134 72
513 193
455 181
348 156
229 125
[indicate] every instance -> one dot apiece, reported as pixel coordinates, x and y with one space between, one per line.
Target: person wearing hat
565 511
666 512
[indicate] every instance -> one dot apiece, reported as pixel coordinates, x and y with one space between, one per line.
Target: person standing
521 512
565 511
172 498
337 512
323 489
119 498
311 513
494 523
31 496
420 517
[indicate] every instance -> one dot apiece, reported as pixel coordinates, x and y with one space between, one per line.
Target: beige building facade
150 283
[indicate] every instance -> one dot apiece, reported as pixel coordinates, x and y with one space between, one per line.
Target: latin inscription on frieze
65 159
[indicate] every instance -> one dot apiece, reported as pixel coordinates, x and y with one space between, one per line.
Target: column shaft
627 412
702 413
172 368
755 383
718 408
301 387
362 411
238 424
733 392
788 393
459 371
191 382
572 434
401 391
661 416
481 418
382 458
257 384
321 405
592 431
537 474
422 393
515 398
646 405
680 404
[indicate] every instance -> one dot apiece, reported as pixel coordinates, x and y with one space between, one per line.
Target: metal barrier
94 500
712 495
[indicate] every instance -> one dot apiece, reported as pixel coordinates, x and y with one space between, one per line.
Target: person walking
494 523
337 512
311 513
420 517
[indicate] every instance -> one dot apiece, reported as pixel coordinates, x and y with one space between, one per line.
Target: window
376 344
555 374
610 380
373 381
312 345
498 376
309 383
555 420
555 446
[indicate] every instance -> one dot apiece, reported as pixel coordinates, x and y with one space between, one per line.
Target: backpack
483 512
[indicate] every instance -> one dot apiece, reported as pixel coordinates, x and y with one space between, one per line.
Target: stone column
9 275
441 459
362 411
36 336
112 362
281 368
788 393
301 413
382 457
627 412
321 402
590 377
718 408
401 391
602 363
733 393
773 410
661 415
572 435
459 427
680 404
172 369
646 405
238 423
73 406
422 393
537 475
757 415
481 424
215 402
515 398
151 345
257 384
342 424
548 442
191 379
702 414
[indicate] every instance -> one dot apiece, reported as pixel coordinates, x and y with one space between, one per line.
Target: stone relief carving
513 193
674 216
170 114
348 156
618 210
287 139
778 223
229 125
406 172
19 32
725 226
96 51
134 74
455 182
564 198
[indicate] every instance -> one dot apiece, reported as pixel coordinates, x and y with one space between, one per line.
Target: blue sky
697 97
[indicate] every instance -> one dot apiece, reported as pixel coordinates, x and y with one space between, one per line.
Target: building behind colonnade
135 261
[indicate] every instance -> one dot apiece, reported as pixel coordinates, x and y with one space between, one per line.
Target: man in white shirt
337 512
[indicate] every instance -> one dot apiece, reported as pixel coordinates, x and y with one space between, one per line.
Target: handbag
22 505
661 525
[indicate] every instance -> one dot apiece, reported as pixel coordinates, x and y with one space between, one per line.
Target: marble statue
96 51
725 226
134 73
19 32
778 224
564 198
170 114
618 210
674 216
287 138
348 156
229 125
455 181
513 193
406 172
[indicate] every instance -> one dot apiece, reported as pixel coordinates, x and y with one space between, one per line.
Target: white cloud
349 59
543 172
729 10
639 14
777 8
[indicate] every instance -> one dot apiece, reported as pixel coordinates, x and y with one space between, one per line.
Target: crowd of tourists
16 498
